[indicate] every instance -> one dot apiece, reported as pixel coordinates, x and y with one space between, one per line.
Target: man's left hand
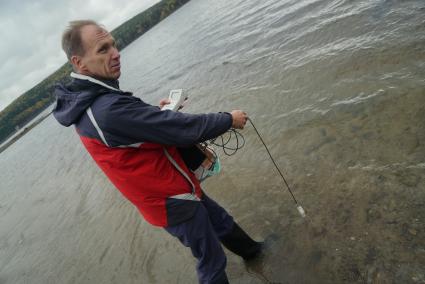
164 102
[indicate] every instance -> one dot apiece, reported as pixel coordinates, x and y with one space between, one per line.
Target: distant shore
26 129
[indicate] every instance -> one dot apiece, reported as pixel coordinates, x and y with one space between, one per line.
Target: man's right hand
239 119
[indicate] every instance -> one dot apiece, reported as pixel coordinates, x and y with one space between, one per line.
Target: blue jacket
137 145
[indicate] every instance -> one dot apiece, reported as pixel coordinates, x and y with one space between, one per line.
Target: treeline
37 99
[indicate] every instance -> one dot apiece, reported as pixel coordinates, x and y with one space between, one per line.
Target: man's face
101 58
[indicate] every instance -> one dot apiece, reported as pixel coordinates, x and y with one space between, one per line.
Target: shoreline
25 130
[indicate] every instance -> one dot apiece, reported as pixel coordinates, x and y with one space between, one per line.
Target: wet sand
365 209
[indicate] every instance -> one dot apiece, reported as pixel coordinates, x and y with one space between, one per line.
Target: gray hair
71 38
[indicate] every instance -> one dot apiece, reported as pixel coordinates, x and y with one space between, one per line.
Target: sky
31 31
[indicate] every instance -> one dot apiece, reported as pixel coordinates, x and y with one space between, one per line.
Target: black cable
223 142
265 146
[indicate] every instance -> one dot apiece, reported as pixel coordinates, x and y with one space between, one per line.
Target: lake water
336 89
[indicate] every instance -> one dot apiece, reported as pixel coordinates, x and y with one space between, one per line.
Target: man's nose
115 53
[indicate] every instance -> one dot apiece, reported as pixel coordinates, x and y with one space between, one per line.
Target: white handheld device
176 97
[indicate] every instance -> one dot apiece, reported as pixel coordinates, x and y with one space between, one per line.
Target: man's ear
77 62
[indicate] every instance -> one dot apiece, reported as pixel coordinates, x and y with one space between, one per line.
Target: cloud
31 32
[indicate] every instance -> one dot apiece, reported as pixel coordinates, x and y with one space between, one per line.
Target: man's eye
102 50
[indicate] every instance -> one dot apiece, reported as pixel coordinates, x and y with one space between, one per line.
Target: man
149 154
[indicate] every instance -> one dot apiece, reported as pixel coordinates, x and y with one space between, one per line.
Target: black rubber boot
238 242
222 279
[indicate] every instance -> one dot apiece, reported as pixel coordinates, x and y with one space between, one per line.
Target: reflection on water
336 89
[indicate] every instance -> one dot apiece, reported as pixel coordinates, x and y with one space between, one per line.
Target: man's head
91 50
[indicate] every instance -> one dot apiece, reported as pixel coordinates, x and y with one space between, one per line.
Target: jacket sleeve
131 117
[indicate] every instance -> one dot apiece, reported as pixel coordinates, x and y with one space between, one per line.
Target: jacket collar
96 81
